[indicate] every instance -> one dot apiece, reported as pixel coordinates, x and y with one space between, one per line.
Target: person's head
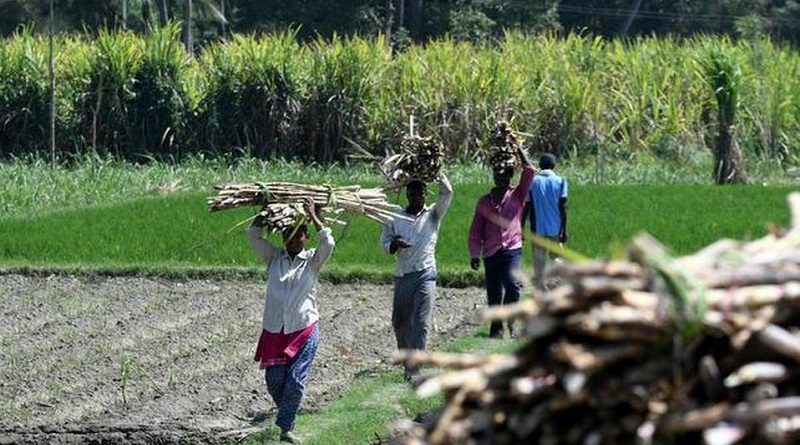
502 176
547 161
295 239
416 191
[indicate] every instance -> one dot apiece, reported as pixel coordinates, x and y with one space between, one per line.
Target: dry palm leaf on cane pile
653 349
281 201
503 146
420 158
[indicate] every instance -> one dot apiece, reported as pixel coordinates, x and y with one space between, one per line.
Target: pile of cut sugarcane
281 202
503 146
652 349
420 158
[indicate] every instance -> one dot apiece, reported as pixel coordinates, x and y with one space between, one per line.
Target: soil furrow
180 351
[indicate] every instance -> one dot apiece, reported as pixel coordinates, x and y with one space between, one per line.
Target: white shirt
291 302
422 232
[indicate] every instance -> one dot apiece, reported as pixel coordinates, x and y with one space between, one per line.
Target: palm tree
205 8
163 12
187 26
144 6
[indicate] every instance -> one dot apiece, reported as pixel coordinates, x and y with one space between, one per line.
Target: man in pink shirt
496 236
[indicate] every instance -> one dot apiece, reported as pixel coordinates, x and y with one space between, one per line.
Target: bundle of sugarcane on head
279 217
503 147
420 159
651 349
281 201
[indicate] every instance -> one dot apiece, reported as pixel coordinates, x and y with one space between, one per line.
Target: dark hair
502 171
416 184
289 231
548 160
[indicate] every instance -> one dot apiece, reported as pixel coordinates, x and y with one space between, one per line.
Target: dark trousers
287 383
503 283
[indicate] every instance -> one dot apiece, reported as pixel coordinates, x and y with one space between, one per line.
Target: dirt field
142 360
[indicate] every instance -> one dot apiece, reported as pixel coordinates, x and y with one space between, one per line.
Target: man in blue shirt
547 204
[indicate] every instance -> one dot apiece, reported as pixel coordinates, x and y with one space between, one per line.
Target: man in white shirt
413 239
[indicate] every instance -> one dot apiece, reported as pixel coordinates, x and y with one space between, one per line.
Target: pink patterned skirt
279 348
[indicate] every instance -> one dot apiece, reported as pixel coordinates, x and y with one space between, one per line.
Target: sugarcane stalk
354 199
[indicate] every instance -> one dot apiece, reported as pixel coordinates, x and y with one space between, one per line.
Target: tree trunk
52 74
163 13
222 22
631 16
401 13
124 14
729 168
389 20
415 20
146 14
187 26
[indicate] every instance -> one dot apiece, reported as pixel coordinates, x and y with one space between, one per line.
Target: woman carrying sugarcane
290 331
413 239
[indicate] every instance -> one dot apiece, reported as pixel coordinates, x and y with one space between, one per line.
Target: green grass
683 217
176 232
32 187
370 406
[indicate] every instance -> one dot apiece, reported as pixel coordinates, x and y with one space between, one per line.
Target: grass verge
366 412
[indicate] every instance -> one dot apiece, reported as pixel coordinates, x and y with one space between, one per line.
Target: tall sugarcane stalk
725 79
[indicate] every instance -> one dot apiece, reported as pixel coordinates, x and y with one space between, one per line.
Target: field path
149 360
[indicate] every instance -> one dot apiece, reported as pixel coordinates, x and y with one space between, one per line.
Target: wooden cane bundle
503 147
420 158
332 201
652 349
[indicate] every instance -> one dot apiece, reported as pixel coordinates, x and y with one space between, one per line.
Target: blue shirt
546 191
